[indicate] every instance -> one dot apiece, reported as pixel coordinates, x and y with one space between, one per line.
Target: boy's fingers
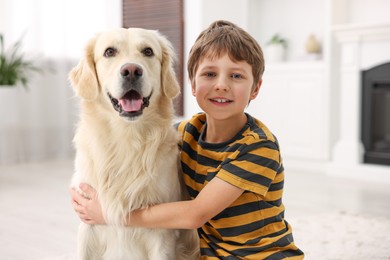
78 198
88 190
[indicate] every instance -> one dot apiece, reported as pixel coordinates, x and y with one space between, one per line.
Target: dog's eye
110 52
148 52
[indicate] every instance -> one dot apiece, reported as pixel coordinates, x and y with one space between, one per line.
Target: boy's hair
223 37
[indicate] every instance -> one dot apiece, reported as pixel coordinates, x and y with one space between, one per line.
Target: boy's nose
222 84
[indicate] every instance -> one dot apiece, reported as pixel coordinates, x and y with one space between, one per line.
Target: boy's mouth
221 100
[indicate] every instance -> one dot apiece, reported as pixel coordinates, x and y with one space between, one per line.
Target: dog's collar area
131 104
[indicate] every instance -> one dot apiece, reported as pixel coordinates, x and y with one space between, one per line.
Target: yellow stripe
187 160
265 129
190 141
217 155
265 241
267 153
255 169
242 183
274 195
245 198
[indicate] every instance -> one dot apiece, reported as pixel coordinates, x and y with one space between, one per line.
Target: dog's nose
131 71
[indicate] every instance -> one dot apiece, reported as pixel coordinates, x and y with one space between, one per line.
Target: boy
231 162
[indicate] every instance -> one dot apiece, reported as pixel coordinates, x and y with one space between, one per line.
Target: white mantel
354 45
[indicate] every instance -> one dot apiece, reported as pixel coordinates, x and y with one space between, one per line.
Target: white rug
343 236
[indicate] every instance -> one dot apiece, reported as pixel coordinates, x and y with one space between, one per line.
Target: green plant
14 66
276 39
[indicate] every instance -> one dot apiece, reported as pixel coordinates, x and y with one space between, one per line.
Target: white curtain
38 124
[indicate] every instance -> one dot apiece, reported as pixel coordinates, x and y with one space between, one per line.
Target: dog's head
128 68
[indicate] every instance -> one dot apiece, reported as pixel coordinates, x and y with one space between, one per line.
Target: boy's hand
87 206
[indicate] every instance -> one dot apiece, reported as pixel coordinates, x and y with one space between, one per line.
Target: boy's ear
256 90
193 88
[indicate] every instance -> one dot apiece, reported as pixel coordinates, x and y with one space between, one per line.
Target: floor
36 219
332 218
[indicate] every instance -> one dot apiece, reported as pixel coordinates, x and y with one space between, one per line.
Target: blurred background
312 91
325 95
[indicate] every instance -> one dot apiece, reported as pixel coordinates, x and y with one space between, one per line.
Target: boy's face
223 88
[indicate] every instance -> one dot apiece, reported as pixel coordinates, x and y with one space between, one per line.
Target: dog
126 145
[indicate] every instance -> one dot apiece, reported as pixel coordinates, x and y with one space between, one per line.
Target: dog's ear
170 86
83 77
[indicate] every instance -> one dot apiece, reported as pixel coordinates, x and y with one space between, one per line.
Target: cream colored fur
131 162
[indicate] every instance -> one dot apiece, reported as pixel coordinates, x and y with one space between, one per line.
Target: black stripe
281 169
207 161
199 178
255 128
207 251
284 254
212 253
192 130
220 147
199 159
257 145
217 148
189 151
193 193
241 209
276 203
242 229
276 186
247 208
264 205
244 174
276 141
282 242
187 170
251 250
259 160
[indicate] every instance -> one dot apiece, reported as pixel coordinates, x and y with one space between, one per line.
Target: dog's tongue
131 102
131 105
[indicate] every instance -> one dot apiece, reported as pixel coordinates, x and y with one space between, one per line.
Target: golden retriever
126 145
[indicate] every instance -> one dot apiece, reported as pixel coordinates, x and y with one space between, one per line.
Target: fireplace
375 123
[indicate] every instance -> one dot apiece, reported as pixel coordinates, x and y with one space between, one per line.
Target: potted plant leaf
276 49
15 68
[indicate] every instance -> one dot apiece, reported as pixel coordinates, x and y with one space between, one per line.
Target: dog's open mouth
131 104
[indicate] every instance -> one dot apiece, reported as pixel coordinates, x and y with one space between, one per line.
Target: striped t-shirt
253 227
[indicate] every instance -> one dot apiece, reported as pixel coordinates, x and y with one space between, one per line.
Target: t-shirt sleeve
253 167
180 127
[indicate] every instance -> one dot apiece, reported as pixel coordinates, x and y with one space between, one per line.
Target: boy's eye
210 74
236 76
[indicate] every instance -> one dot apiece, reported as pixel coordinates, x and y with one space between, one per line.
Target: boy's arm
215 197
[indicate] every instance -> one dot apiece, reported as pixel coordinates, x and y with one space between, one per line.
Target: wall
293 20
303 89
